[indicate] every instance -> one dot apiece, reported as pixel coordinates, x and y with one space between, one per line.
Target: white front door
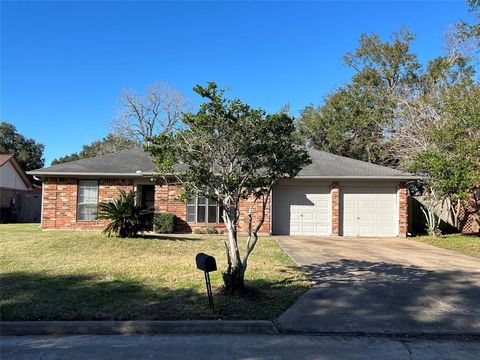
369 211
301 211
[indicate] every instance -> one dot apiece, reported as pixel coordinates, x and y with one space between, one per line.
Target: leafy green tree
451 164
352 120
471 31
28 152
109 144
229 151
66 159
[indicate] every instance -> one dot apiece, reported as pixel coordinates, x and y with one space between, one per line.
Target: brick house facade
333 196
60 205
60 196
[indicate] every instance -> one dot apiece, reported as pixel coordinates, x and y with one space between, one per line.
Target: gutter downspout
41 202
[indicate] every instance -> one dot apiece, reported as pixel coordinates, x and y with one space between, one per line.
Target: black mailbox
206 262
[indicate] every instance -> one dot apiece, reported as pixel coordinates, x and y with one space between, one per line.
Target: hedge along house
334 195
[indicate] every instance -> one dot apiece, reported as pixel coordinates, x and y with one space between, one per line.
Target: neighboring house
19 199
334 195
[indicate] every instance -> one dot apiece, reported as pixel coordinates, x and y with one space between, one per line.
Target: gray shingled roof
328 165
125 162
130 162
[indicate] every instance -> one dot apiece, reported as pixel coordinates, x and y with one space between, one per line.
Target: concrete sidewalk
213 347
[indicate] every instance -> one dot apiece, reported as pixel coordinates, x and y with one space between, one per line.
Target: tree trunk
455 208
233 278
253 231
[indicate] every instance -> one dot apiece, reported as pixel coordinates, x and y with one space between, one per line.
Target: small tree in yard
228 152
125 215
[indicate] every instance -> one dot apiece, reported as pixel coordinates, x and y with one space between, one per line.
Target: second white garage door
369 211
301 211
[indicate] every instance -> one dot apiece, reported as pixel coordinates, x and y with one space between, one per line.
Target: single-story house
334 195
19 198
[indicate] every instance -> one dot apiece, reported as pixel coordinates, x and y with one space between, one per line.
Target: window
87 199
203 210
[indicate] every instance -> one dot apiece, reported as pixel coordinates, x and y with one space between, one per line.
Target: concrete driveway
383 285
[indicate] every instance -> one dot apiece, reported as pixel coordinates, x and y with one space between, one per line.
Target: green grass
465 244
81 275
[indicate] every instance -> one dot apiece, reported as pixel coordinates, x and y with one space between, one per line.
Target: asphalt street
214 347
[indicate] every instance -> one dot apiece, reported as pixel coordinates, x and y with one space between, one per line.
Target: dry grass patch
80 275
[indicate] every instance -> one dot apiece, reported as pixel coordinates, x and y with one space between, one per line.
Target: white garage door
301 211
369 211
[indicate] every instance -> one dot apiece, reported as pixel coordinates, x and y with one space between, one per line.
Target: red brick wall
335 192
60 202
60 205
256 215
403 210
167 200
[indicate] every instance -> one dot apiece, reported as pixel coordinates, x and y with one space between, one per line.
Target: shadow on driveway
380 297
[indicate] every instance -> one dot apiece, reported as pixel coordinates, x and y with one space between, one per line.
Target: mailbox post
207 263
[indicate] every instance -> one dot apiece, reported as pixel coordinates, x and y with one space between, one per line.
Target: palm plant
125 215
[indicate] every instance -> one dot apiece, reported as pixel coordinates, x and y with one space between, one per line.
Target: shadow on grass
365 294
39 296
170 237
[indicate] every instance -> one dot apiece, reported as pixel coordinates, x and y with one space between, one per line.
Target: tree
158 112
451 164
228 152
109 144
66 159
471 31
27 151
352 120
436 129
420 105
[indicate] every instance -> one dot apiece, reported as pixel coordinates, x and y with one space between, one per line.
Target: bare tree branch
157 112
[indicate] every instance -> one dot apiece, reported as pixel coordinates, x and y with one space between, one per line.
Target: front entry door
148 201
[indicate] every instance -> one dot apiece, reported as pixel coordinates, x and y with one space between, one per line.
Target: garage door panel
304 211
322 229
349 204
384 218
366 204
369 211
323 216
308 216
295 216
322 203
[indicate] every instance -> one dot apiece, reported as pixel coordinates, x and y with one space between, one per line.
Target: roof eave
75 173
375 177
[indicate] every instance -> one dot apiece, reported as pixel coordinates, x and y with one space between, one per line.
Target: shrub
164 223
199 231
211 230
124 214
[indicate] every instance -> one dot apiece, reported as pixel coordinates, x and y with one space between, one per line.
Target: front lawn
75 275
465 244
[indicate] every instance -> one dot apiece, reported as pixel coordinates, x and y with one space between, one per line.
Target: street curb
388 335
136 327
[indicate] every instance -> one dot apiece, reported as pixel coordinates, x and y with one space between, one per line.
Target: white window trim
78 196
206 205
